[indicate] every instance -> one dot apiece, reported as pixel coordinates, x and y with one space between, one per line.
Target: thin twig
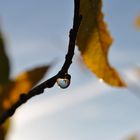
62 73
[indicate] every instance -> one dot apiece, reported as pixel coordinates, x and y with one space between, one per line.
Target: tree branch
61 74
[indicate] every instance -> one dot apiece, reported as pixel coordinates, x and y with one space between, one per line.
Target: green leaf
4 62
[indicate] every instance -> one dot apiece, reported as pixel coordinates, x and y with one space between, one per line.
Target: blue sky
37 33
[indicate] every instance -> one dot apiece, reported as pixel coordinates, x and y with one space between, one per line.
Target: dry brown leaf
4 62
94 41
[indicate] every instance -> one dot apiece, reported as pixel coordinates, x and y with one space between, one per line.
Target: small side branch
62 73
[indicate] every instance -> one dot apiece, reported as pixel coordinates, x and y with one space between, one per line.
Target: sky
37 33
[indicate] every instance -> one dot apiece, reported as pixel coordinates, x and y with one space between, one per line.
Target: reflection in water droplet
63 83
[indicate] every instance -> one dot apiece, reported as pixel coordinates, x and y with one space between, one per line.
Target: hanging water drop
63 82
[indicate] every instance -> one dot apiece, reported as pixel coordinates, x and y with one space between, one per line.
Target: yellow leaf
137 22
133 137
4 129
22 84
94 41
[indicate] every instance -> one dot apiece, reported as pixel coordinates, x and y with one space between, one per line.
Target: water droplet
63 82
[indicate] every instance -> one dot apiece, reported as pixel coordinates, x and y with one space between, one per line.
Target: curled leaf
94 40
